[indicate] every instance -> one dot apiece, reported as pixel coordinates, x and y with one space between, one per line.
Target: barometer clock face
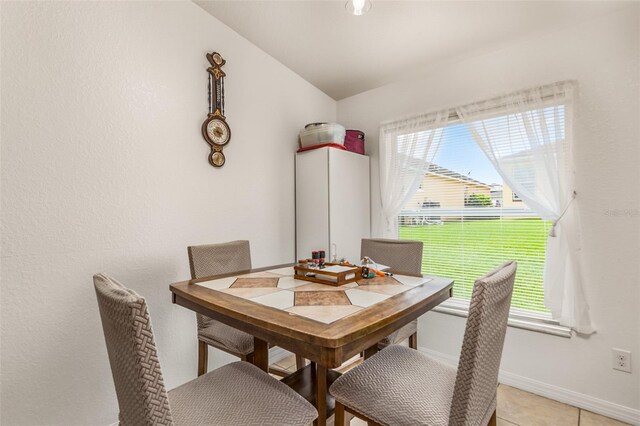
215 129
218 131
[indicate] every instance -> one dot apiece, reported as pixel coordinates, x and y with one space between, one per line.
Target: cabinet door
312 202
349 207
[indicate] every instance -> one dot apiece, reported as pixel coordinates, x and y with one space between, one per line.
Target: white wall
602 55
104 169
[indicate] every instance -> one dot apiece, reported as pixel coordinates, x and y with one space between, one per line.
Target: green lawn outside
466 250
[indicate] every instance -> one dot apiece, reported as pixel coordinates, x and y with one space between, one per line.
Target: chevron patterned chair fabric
403 257
399 386
218 259
219 397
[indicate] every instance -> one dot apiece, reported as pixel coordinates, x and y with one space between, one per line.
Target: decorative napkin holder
333 274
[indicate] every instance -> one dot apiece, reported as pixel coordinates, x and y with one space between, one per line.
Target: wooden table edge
327 335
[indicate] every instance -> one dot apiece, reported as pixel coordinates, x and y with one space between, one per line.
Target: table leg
261 354
321 394
371 351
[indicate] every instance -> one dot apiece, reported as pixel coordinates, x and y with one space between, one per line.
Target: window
527 177
470 220
467 214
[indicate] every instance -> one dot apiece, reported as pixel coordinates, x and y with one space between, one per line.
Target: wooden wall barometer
215 129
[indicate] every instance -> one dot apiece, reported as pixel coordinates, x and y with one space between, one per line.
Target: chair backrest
142 397
402 256
217 259
477 377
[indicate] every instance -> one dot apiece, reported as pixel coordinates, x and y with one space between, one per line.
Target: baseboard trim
580 400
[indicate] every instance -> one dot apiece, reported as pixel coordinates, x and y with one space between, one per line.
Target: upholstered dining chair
403 257
217 398
217 259
399 386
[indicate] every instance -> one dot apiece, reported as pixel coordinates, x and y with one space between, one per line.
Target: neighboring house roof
441 171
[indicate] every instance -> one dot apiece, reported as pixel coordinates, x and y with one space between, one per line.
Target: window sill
517 319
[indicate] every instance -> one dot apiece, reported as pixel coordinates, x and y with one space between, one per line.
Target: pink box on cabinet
354 141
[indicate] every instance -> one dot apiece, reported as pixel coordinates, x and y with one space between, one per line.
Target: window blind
471 221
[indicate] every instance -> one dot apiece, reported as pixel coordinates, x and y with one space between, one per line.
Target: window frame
525 320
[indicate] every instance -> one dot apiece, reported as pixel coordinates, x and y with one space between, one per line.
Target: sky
460 153
509 135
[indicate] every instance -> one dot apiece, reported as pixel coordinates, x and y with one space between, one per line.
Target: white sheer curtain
406 148
527 136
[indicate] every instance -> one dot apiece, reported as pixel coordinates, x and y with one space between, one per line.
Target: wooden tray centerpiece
333 274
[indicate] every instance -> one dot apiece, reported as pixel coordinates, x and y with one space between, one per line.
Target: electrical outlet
621 360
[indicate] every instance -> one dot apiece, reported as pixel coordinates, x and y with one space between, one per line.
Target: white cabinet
332 202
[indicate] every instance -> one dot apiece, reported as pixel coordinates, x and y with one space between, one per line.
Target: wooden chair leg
413 341
203 357
339 415
493 421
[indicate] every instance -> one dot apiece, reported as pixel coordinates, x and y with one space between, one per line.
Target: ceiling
343 55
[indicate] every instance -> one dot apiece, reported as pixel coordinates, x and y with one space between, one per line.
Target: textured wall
104 169
603 56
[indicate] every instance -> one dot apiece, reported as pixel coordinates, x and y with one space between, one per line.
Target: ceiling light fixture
358 7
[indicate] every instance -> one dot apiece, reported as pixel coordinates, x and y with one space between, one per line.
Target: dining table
324 323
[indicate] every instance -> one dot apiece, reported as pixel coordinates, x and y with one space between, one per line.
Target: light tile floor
517 407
